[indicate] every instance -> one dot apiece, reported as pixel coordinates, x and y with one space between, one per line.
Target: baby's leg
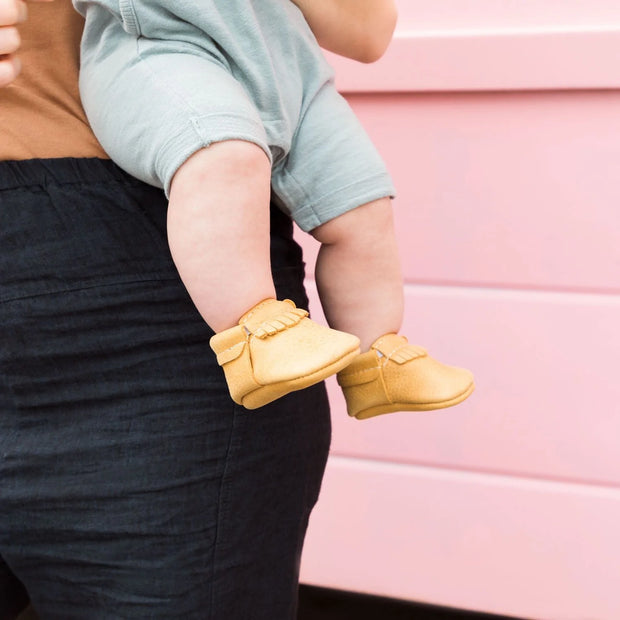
360 284
358 272
331 171
218 230
155 107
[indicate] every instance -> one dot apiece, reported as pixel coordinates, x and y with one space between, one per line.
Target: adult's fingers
10 66
9 40
12 12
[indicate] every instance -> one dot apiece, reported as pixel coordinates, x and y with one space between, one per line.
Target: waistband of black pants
65 170
28 172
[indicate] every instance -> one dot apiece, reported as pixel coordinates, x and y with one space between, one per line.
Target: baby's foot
275 349
397 376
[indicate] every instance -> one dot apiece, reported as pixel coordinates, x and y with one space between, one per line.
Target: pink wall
500 122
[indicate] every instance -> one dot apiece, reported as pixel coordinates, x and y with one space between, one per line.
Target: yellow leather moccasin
276 349
396 376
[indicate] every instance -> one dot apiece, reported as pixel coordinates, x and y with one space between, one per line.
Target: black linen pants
131 486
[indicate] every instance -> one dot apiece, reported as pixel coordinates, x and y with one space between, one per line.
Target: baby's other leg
218 230
360 284
358 272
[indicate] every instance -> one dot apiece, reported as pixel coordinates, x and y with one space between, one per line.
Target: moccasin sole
372 412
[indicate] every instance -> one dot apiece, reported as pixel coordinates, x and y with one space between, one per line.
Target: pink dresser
500 121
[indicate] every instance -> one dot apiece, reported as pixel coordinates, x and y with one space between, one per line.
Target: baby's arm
358 29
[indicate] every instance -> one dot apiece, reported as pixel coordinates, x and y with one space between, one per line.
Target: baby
222 102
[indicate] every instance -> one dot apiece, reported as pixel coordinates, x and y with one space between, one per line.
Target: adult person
131 486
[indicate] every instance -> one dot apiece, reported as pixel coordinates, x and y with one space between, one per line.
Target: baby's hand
12 12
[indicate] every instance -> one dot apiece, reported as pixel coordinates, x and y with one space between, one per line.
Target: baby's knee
370 220
230 161
240 157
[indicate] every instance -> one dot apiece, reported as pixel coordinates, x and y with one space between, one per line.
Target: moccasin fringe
407 353
279 323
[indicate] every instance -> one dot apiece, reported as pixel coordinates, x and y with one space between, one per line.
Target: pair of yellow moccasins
276 349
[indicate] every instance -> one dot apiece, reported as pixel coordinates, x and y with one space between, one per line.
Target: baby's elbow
371 53
376 45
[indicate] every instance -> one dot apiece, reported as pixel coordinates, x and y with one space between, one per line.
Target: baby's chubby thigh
153 103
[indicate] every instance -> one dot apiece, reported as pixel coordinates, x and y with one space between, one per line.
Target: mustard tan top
40 113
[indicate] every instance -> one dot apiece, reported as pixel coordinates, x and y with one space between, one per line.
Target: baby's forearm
358 29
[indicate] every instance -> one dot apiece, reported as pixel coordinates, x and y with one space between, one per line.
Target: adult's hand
12 12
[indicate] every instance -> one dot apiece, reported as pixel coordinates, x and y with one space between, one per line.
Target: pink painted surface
442 15
516 189
490 45
531 549
489 60
508 223
547 400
